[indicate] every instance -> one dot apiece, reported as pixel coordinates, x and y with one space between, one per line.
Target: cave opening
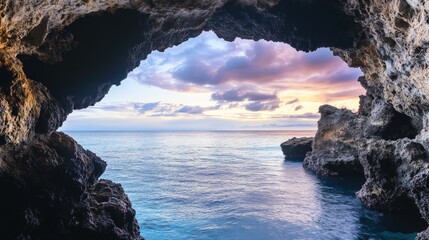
242 84
113 43
174 84
401 126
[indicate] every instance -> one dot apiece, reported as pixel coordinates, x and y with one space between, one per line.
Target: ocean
234 185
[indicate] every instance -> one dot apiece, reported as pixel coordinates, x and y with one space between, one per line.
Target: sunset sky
207 83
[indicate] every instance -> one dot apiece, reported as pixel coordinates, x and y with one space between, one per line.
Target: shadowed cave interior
106 40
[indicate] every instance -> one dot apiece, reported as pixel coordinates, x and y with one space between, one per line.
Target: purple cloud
160 109
342 94
142 108
262 106
207 64
319 58
112 107
292 101
337 77
191 110
299 107
194 71
304 115
258 62
239 95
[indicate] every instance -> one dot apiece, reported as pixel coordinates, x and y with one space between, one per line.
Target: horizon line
186 130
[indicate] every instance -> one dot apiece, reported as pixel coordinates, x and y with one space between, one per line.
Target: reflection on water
233 185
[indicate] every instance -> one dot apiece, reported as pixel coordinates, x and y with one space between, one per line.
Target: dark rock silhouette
54 192
296 148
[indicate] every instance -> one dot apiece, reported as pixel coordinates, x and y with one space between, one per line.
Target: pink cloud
267 67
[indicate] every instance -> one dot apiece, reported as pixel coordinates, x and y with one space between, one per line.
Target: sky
207 83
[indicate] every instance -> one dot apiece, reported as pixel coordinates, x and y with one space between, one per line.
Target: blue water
234 185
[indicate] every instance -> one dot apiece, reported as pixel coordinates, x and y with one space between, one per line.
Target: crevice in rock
36 35
401 126
411 219
6 78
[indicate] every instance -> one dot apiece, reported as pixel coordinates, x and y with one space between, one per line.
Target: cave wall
66 55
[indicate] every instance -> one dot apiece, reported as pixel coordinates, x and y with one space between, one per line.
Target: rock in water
335 150
297 148
105 213
54 193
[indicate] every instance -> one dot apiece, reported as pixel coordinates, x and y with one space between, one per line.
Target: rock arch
66 56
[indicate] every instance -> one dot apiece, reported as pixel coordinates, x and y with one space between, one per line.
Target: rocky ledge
296 148
66 55
335 150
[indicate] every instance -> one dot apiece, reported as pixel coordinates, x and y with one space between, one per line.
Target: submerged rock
297 148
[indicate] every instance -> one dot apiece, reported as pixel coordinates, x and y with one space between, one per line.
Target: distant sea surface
234 185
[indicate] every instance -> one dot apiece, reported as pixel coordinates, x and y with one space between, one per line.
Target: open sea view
234 185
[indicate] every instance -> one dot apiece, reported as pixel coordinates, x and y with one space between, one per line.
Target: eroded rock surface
334 150
296 148
51 191
57 56
105 212
396 172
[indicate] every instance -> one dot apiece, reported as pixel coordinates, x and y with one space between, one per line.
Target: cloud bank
242 80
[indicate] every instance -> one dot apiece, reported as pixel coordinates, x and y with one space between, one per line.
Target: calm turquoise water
233 185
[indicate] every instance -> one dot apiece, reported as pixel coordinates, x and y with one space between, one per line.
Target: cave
401 126
7 77
106 39
66 56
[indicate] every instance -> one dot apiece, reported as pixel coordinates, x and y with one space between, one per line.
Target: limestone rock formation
334 149
58 56
396 173
51 191
296 148
105 212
